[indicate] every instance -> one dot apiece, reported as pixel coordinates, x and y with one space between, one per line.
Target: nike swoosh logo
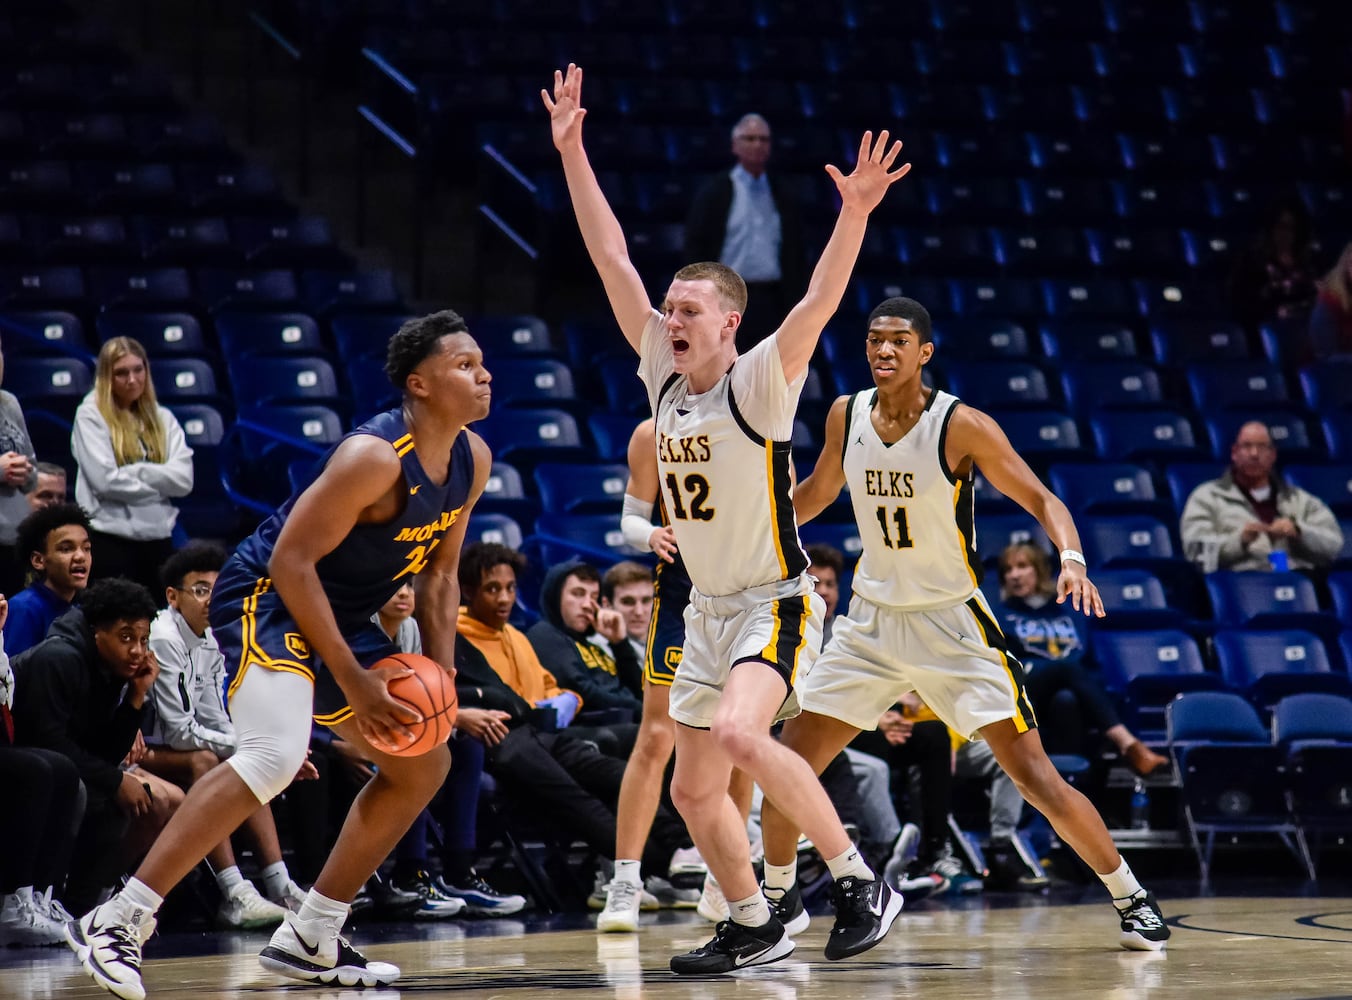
741 960
414 491
310 949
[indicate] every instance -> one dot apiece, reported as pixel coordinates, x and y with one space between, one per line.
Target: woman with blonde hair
1054 643
1331 320
132 458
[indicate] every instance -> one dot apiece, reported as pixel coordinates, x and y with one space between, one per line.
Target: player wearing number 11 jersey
917 621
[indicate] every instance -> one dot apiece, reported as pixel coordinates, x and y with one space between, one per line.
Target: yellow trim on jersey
802 638
402 445
252 653
333 718
1020 722
774 510
770 653
962 539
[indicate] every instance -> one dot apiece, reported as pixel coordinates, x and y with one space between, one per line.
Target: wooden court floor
1222 949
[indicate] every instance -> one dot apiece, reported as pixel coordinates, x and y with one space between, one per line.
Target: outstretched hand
864 188
1074 583
565 107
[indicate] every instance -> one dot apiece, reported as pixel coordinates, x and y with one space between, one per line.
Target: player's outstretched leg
1079 825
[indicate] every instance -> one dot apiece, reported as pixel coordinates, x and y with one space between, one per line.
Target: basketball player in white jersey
917 620
723 429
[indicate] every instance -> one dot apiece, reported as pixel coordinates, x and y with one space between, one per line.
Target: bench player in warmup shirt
292 611
917 620
754 622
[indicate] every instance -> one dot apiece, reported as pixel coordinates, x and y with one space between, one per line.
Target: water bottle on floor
1140 806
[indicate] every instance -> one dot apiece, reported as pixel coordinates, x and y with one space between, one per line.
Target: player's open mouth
679 346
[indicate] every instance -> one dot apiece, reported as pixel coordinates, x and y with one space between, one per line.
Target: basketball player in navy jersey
754 621
918 620
292 613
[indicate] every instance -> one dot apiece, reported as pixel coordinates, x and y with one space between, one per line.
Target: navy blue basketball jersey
375 560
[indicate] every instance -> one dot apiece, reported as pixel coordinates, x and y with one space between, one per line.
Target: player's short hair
417 339
728 283
34 529
821 554
195 557
907 309
585 572
113 599
480 557
622 574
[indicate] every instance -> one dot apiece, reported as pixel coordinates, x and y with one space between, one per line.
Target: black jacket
67 699
706 229
477 685
604 681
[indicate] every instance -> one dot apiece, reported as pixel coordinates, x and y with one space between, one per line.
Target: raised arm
815 493
600 229
973 433
860 194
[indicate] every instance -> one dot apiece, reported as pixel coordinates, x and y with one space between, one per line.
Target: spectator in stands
1252 519
188 732
18 475
562 639
1052 643
748 221
55 543
1331 320
556 773
827 564
50 487
627 587
37 838
1275 277
82 692
456 807
1008 865
131 459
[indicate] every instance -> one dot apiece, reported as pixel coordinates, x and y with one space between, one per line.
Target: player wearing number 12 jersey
917 620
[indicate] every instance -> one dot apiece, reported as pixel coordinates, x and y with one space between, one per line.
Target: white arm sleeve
635 524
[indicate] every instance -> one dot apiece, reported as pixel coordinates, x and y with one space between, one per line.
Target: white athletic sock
753 911
137 901
779 879
319 907
1122 884
229 879
628 871
275 878
851 862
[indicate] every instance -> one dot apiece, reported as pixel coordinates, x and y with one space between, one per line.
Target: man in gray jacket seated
1252 519
188 731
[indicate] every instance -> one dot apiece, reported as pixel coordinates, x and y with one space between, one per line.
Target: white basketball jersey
914 517
725 484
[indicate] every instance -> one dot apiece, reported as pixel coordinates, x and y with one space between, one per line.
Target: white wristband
1070 555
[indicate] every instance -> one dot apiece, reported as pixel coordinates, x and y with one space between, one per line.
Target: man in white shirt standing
188 731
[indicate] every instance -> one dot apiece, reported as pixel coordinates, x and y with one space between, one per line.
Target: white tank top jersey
914 516
723 462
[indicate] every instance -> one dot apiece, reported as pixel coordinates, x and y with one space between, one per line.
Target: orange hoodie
512 658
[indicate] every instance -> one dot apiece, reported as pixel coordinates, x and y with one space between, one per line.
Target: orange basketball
430 692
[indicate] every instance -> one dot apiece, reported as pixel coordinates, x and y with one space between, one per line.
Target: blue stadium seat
496 528
1103 487
365 335
981 338
1314 731
1054 201
1110 539
1086 340
589 488
1162 435
1003 384
1268 600
533 382
1034 251
1171 299
1133 599
162 334
1108 385
1184 477
142 287
329 291
625 392
301 242
597 537
183 379
1178 202
1042 435
986 202
1266 666
844 538
285 380
130 187
1231 773
1289 431
1327 387
203 425
232 287
84 240
1181 342
1330 483
1338 433
1095 298
56 384
1006 298
372 390
1149 669
504 336
946 250
246 334
1251 386
317 425
42 332
1127 249
234 188
611 433
525 437
996 532
59 287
